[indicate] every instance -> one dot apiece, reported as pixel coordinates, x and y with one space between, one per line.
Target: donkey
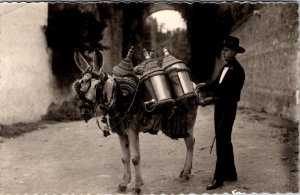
98 88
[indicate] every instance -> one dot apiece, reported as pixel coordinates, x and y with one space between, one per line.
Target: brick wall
271 61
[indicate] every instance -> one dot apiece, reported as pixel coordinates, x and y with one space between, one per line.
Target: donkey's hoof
122 188
137 190
185 177
181 173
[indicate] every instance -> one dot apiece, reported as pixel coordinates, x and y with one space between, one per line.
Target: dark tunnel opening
205 33
69 27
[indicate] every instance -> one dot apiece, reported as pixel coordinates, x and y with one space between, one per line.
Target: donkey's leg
133 135
126 162
189 142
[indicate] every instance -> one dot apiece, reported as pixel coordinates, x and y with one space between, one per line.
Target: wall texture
25 74
271 61
113 38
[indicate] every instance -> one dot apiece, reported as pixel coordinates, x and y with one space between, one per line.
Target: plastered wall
25 73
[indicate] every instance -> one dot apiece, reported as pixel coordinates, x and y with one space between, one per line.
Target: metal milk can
179 75
156 89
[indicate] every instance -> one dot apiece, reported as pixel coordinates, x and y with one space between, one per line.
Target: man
227 89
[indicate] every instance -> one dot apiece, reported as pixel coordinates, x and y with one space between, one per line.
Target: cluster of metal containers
164 81
166 84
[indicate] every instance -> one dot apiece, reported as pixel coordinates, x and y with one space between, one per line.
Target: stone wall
113 38
25 74
271 61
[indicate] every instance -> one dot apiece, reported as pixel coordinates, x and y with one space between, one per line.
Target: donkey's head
95 87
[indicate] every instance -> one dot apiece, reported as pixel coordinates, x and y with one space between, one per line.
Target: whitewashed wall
25 70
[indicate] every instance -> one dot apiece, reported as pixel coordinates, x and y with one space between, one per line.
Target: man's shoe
214 184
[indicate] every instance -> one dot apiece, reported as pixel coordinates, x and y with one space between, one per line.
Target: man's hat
233 42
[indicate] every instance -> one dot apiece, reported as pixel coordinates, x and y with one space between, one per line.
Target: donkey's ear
98 61
82 64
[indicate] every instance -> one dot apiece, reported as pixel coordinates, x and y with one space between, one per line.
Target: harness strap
107 128
129 108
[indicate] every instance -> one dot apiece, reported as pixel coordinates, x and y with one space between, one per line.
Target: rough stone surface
271 60
113 38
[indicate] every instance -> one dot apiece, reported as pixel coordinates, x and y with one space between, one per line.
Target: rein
106 128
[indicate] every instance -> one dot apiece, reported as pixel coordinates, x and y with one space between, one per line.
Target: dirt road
74 157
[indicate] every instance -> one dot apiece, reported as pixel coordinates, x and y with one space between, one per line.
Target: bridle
107 104
87 106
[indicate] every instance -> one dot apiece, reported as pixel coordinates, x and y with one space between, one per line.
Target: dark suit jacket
230 88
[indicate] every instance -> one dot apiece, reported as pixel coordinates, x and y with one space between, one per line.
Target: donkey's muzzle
86 111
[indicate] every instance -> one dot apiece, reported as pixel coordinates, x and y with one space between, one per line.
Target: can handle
152 103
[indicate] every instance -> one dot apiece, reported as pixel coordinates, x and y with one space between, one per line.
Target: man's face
228 53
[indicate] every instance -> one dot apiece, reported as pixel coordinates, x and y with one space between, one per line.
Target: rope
105 131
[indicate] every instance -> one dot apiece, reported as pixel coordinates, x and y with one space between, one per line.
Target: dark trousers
224 118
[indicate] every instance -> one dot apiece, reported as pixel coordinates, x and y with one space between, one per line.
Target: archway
169 28
204 30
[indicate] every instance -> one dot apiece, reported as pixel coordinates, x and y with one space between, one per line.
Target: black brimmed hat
233 42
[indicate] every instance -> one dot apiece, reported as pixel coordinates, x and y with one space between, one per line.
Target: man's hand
206 101
199 86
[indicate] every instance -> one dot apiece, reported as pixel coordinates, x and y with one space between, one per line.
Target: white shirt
223 74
